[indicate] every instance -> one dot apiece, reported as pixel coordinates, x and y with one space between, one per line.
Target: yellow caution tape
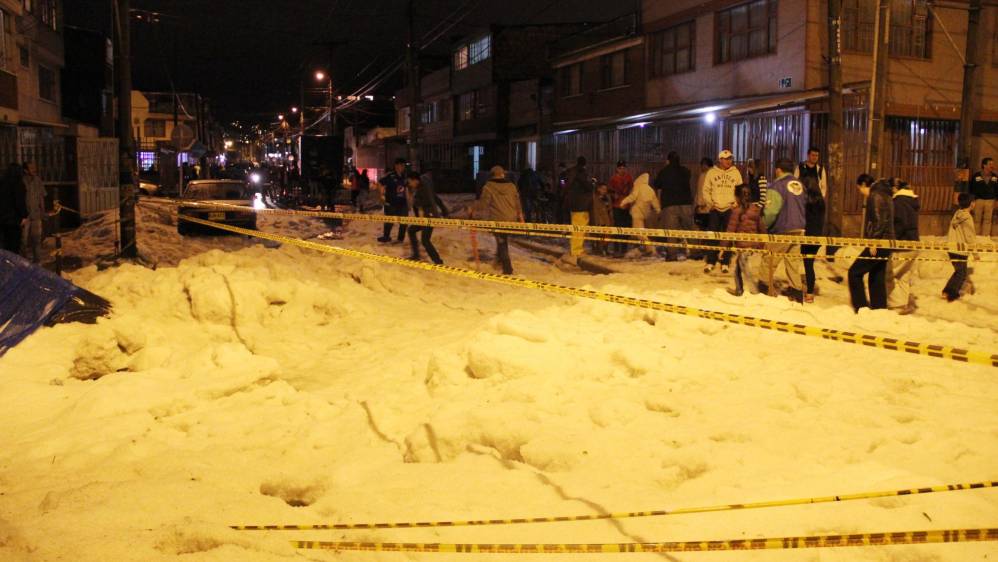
624 515
893 344
614 230
772 543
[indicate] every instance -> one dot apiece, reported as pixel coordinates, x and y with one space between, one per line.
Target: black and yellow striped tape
625 515
612 230
772 543
882 342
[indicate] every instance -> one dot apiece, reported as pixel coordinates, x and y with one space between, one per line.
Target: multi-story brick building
752 76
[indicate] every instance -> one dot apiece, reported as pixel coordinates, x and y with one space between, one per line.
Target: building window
475 52
746 31
910 29
155 128
147 160
48 12
461 58
571 80
672 50
910 32
429 113
25 55
466 106
46 83
613 70
3 39
481 50
403 117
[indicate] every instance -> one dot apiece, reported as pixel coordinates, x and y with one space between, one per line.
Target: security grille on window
481 49
429 113
672 50
571 80
613 70
466 106
461 58
46 83
910 33
155 128
746 31
47 12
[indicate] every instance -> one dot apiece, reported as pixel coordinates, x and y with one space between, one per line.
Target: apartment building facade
752 76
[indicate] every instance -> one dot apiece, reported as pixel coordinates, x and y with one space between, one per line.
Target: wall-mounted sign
786 83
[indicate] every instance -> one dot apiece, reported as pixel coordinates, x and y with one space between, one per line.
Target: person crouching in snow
961 232
746 218
602 216
425 203
645 208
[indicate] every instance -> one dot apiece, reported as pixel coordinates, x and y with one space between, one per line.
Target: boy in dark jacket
814 211
878 224
746 218
903 264
425 203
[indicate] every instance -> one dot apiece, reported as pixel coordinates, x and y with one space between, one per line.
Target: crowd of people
722 198
22 211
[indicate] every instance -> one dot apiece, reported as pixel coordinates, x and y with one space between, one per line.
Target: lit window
481 49
461 58
147 160
466 106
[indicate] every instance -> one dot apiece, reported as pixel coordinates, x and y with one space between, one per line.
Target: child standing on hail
961 232
746 218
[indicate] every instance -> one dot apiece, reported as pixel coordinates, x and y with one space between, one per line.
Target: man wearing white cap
719 196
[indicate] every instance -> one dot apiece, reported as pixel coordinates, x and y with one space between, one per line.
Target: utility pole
412 68
126 145
968 104
836 161
878 88
333 120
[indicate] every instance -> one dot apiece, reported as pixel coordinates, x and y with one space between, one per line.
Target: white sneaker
708 268
724 269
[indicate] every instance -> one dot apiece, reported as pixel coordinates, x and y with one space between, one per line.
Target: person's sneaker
809 299
734 292
414 258
724 268
384 239
708 268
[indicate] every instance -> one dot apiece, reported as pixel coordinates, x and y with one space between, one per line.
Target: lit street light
294 110
320 75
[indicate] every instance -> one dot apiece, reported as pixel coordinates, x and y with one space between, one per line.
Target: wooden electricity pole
835 159
878 90
126 145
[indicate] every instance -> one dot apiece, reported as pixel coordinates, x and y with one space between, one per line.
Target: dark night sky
249 55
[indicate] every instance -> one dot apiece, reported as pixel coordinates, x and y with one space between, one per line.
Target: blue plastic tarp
31 297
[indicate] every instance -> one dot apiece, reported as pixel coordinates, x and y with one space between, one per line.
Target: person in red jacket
746 218
620 186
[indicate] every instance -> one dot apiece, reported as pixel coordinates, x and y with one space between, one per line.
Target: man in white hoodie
719 196
644 205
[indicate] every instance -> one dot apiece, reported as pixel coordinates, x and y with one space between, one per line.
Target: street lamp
294 110
280 117
320 76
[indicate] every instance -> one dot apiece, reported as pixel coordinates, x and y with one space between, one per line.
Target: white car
229 192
